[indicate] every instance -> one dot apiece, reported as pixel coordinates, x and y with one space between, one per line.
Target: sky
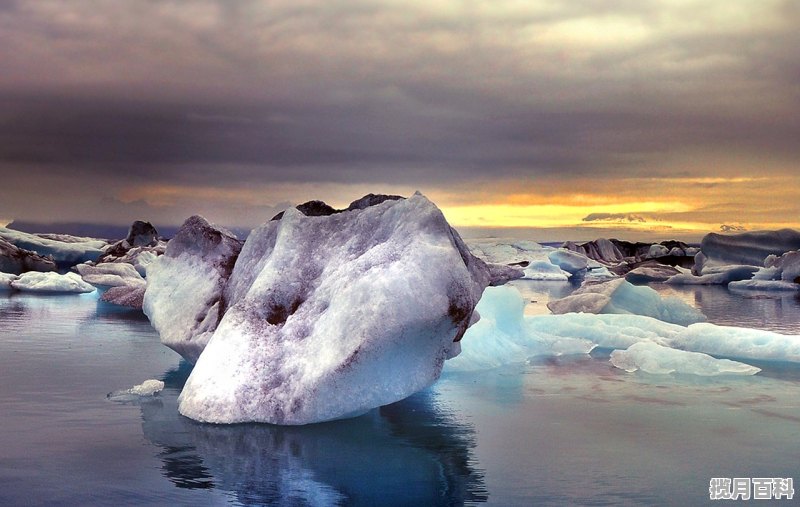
660 115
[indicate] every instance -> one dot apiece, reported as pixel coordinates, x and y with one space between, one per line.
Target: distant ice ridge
504 336
620 296
51 282
323 314
651 357
63 249
545 270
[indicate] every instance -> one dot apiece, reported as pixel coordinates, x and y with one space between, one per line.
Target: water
550 432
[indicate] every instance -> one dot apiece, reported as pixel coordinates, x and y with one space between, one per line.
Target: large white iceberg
325 317
51 282
63 249
651 357
184 299
620 296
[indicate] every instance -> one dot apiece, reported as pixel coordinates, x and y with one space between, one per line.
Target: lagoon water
570 430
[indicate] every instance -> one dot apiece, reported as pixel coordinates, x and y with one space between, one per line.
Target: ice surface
145 389
502 336
545 270
764 285
620 296
51 282
183 299
110 274
714 275
65 250
779 273
330 316
651 357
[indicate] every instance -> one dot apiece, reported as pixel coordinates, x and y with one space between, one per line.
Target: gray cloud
415 93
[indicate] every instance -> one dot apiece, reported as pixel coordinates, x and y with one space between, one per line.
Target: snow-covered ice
651 357
65 250
51 282
620 296
5 281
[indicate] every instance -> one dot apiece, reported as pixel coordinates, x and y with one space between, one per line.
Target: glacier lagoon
553 431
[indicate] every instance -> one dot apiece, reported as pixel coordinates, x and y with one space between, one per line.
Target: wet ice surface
554 431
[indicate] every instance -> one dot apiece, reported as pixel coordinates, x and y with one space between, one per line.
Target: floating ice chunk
651 357
508 252
596 271
546 270
70 283
502 336
765 285
651 273
622 331
145 389
657 251
110 274
717 275
569 261
329 316
5 281
183 299
65 250
737 342
620 296
750 248
16 260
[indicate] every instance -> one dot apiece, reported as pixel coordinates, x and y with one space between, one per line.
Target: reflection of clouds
410 453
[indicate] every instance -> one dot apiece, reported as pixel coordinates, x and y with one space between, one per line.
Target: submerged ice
651 357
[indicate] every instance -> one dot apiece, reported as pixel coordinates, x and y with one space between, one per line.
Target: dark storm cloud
417 93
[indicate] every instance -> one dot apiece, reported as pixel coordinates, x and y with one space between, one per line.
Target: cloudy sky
682 114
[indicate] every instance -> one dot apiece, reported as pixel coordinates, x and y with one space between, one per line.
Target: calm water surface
549 432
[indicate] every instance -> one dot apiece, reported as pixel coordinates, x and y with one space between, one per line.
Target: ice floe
620 296
70 283
651 357
63 249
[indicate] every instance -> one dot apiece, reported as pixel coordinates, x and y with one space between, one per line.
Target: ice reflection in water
409 453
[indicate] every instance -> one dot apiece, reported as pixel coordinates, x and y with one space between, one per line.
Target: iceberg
571 262
322 317
110 274
516 252
651 273
65 250
749 248
779 273
658 251
140 248
621 297
16 260
502 336
714 275
51 282
651 357
184 300
545 270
